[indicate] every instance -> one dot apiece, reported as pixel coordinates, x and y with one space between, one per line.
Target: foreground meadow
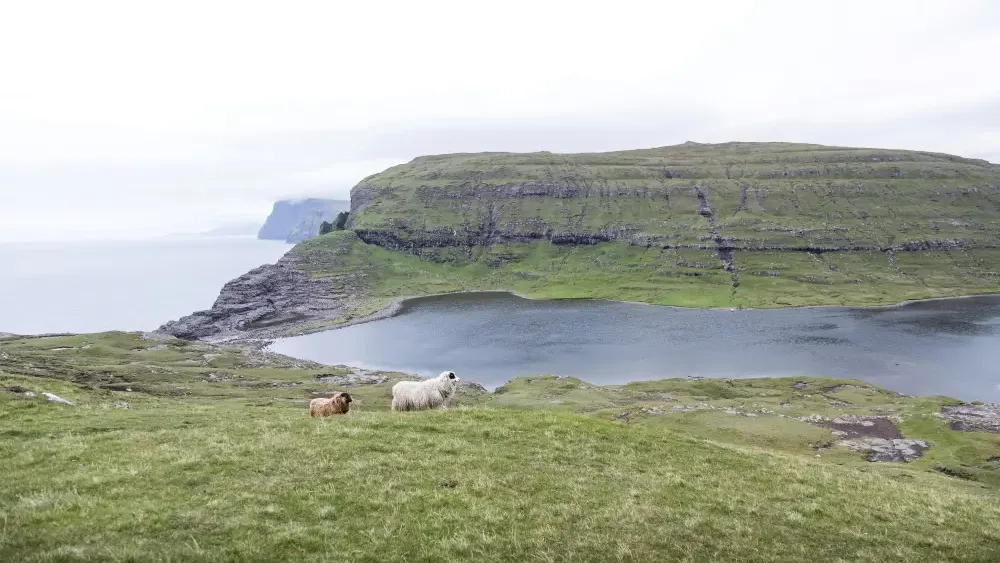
196 464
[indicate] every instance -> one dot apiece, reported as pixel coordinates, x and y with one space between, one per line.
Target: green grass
268 484
458 218
619 271
844 195
228 470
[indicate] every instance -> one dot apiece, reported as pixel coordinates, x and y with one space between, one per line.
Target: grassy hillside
375 276
216 459
730 225
736 224
751 195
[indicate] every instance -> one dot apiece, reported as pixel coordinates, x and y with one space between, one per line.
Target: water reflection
968 316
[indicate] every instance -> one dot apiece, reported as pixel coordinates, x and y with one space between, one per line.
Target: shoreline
398 304
260 350
255 336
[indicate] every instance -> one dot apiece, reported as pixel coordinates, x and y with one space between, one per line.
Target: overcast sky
140 117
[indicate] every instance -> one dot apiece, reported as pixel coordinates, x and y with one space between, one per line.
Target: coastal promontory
697 225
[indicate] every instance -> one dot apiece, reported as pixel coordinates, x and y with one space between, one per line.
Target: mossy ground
621 272
211 465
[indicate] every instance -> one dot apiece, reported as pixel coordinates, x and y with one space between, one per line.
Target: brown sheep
339 403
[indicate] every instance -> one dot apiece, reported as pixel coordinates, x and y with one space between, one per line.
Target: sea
93 286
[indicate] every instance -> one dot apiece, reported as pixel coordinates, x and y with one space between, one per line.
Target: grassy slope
772 195
629 273
846 196
208 469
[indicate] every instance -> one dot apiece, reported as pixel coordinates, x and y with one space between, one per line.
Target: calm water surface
949 347
122 285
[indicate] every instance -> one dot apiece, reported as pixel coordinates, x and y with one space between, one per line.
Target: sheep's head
345 396
448 381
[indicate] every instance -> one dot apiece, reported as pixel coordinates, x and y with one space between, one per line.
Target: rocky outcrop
406 239
261 299
298 220
360 377
53 398
878 437
27 393
18 390
412 241
881 449
973 418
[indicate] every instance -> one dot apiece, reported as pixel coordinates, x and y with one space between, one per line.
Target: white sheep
426 394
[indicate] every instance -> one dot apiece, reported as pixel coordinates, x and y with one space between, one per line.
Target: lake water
949 347
132 285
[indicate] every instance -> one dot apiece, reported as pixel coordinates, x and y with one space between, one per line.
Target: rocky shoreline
270 301
279 301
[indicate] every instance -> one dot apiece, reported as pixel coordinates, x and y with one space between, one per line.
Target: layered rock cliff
270 296
297 220
737 224
747 196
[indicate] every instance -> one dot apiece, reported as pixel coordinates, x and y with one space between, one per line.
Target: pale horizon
121 120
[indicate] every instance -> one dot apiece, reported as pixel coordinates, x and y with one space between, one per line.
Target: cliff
733 196
731 225
298 220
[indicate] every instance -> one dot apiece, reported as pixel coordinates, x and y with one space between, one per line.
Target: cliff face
318 283
265 297
731 225
297 220
734 196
